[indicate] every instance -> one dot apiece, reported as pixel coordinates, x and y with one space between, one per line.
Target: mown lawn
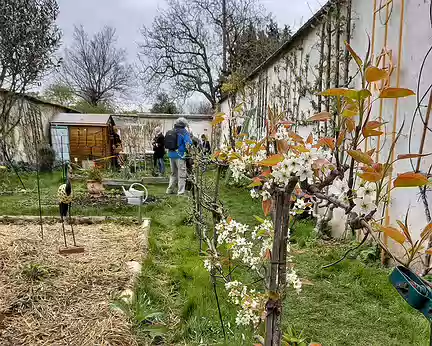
351 303
26 202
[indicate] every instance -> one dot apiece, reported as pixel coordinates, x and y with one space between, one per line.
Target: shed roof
40 101
165 116
82 119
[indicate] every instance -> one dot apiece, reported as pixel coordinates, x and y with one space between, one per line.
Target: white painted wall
23 135
197 125
416 40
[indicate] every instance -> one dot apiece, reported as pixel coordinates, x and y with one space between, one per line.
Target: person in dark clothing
205 145
159 151
117 147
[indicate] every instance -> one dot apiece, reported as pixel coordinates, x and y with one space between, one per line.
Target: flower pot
94 187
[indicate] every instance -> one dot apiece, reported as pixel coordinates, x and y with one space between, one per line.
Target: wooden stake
71 250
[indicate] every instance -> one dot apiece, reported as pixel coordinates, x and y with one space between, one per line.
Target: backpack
171 140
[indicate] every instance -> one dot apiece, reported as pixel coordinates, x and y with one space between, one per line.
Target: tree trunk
277 281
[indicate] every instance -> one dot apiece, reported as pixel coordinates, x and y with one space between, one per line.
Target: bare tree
94 68
29 38
202 107
183 47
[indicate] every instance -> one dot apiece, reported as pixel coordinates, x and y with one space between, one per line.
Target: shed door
60 142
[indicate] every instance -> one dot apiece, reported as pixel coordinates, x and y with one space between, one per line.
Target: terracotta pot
94 187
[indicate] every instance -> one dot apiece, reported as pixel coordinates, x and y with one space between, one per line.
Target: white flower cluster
239 164
293 280
264 233
300 206
252 304
365 195
300 165
365 200
211 263
263 193
234 234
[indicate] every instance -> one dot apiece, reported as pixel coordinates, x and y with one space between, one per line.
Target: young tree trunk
277 281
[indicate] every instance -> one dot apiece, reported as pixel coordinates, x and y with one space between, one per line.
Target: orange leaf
371 133
335 92
410 156
357 59
374 74
309 140
282 146
323 116
294 136
359 156
371 177
301 149
427 231
267 255
393 233
393 93
341 138
350 124
410 179
329 142
371 152
404 229
266 173
369 129
255 182
266 205
373 124
271 160
429 251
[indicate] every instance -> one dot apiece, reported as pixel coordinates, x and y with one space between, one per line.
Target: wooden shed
82 137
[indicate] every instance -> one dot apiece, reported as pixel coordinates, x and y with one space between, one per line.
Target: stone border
135 267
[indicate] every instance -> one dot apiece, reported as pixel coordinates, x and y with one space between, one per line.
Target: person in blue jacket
178 158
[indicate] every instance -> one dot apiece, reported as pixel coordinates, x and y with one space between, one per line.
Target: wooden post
139 211
277 282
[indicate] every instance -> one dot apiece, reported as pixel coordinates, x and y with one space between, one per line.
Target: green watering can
416 291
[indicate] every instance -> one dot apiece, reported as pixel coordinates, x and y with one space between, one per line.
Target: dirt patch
50 299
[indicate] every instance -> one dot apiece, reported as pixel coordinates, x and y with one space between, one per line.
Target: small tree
61 94
94 68
29 38
333 170
164 105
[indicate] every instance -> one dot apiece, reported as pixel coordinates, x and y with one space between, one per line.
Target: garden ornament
65 197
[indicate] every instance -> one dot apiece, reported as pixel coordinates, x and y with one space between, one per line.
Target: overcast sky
128 16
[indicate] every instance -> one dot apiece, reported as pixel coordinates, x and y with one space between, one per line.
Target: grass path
349 304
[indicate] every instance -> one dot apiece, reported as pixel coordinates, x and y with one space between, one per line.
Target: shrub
94 174
46 158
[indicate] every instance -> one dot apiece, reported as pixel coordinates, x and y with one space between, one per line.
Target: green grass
349 304
26 203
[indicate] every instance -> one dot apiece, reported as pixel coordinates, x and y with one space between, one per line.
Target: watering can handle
137 184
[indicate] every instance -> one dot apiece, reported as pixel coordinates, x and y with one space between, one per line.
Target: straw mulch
50 299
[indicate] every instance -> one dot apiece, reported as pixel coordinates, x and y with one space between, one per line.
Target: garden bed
50 299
